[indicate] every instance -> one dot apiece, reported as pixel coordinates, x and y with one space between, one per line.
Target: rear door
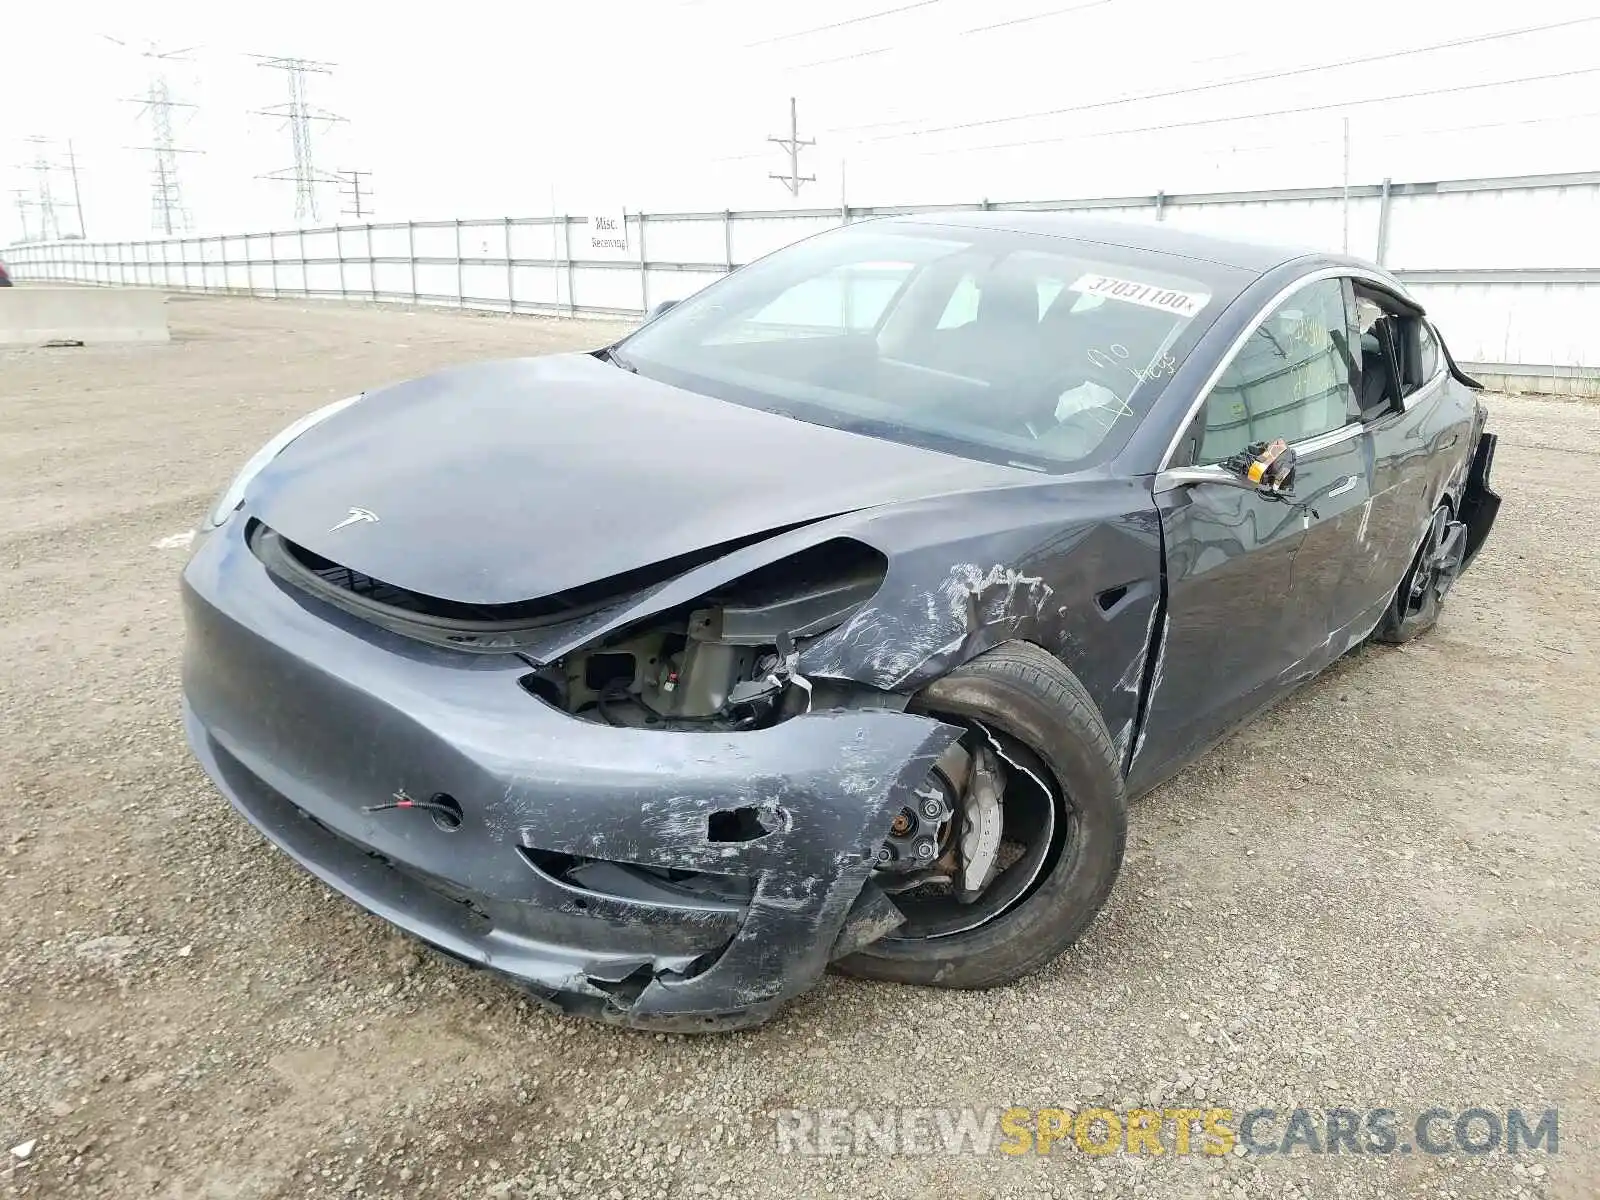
1418 430
1254 583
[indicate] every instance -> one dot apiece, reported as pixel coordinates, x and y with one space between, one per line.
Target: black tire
1019 690
1414 608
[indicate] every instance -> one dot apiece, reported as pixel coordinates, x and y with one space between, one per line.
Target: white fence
1510 267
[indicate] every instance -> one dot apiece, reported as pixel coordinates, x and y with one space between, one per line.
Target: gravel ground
1381 895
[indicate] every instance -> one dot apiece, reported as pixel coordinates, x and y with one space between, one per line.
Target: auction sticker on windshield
1131 291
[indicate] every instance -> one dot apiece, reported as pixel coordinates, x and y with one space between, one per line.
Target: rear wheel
1013 844
1417 601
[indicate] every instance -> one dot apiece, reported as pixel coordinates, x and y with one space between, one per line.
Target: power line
1281 112
168 213
1402 134
1054 12
1251 149
298 116
839 58
1238 81
873 16
792 144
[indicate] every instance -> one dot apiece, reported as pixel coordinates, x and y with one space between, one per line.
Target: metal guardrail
533 265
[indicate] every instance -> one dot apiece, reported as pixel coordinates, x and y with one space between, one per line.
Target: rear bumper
303 716
1480 503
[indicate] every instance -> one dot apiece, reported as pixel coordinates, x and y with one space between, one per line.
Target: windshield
1010 347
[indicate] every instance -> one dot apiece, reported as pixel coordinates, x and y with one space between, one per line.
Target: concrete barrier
31 315
1539 381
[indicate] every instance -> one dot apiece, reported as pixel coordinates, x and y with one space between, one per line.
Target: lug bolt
885 854
924 849
932 809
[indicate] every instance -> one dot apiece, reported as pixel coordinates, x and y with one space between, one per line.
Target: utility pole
360 205
168 213
1347 185
793 144
298 116
77 195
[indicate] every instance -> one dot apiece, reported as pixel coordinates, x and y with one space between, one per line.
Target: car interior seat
1374 374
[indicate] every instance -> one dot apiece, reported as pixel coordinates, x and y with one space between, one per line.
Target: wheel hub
950 832
920 832
1438 562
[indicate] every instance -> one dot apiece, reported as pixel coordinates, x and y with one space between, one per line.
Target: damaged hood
507 481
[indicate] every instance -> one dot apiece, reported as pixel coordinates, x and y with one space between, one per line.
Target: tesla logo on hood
356 517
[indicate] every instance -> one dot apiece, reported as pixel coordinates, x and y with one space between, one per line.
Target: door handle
1349 482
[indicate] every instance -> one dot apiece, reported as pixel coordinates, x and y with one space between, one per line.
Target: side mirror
1177 478
660 308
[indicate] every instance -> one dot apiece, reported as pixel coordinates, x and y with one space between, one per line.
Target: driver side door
1254 580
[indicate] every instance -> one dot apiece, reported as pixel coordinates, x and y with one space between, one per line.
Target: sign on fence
608 231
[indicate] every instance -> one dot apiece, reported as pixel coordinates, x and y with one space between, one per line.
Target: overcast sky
480 109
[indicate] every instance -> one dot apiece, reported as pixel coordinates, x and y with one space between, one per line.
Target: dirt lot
1382 895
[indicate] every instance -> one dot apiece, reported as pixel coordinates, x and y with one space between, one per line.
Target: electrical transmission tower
168 213
793 144
358 201
299 116
22 212
44 196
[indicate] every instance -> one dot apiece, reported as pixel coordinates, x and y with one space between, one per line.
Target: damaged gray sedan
834 615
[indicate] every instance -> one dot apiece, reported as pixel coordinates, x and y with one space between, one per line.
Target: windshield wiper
616 358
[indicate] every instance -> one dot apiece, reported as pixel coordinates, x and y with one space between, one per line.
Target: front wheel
1013 844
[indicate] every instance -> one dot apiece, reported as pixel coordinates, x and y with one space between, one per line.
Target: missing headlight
726 661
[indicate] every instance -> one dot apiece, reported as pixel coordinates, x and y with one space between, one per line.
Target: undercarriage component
981 821
920 832
950 834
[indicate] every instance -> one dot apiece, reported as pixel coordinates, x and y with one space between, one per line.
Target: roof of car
1158 238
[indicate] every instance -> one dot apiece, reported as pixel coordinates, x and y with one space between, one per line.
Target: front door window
1290 380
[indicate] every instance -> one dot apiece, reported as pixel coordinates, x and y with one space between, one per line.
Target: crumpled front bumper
304 715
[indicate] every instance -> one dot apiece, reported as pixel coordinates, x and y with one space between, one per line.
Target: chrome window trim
1333 437
1267 309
